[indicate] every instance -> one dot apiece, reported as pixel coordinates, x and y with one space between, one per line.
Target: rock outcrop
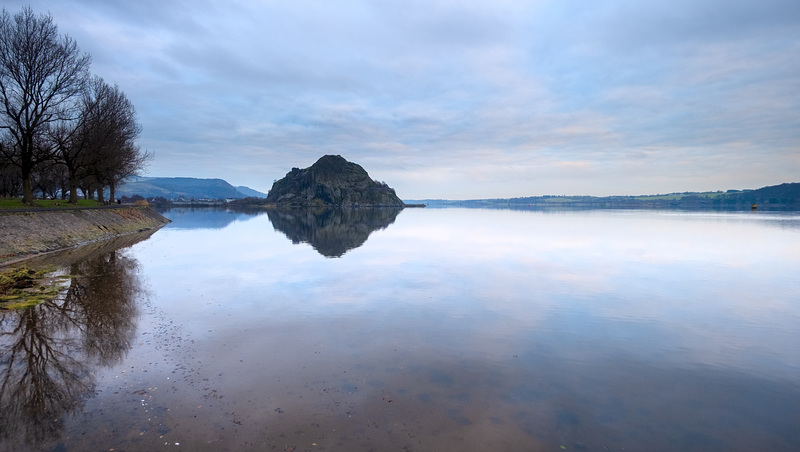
333 182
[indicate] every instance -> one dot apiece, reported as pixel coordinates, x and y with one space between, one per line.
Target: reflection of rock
49 353
334 182
332 232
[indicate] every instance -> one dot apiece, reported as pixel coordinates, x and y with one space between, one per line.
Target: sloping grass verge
16 203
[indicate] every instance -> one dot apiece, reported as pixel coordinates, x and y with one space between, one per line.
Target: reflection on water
49 353
450 330
332 232
206 218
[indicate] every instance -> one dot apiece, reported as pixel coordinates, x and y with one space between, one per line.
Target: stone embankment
25 234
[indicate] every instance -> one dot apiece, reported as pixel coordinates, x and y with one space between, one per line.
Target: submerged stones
332 182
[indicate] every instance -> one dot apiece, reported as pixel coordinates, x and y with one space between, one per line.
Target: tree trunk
26 167
111 188
73 189
27 190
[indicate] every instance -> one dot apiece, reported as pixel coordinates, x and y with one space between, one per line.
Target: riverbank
29 233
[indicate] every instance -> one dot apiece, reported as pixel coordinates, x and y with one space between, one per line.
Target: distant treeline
777 197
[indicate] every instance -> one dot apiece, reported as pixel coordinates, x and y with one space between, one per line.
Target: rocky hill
332 181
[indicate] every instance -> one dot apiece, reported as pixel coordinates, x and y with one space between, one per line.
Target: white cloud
459 99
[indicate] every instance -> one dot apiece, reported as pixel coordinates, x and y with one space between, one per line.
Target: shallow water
426 329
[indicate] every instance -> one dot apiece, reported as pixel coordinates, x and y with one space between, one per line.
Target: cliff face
332 181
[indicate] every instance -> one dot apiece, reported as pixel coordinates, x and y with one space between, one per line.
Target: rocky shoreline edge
27 234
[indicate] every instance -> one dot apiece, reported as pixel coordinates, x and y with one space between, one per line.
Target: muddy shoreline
32 233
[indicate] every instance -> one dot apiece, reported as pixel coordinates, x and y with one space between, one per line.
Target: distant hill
777 197
184 187
247 191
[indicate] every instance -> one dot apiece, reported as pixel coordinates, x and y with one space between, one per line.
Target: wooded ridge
777 197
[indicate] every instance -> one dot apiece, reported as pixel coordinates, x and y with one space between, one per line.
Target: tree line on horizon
785 196
61 128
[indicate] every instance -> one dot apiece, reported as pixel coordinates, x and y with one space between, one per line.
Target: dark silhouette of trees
10 181
41 75
50 179
114 130
60 129
10 176
99 148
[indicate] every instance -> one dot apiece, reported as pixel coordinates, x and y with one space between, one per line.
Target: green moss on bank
23 287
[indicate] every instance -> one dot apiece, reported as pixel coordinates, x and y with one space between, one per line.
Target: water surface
425 329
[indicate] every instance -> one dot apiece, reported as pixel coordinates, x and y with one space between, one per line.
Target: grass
23 287
16 203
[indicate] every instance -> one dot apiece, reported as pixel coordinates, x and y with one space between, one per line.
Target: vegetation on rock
334 182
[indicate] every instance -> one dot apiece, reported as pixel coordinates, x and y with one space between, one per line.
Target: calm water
417 330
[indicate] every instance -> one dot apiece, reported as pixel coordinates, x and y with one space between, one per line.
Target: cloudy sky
458 99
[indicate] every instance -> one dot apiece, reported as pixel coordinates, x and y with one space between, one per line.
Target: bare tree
41 75
10 178
50 179
114 130
76 141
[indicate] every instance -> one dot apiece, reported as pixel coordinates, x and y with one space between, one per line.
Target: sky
458 99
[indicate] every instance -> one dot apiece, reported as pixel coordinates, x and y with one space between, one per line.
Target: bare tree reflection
49 353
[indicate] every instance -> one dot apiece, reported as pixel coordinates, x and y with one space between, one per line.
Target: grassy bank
31 231
16 203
